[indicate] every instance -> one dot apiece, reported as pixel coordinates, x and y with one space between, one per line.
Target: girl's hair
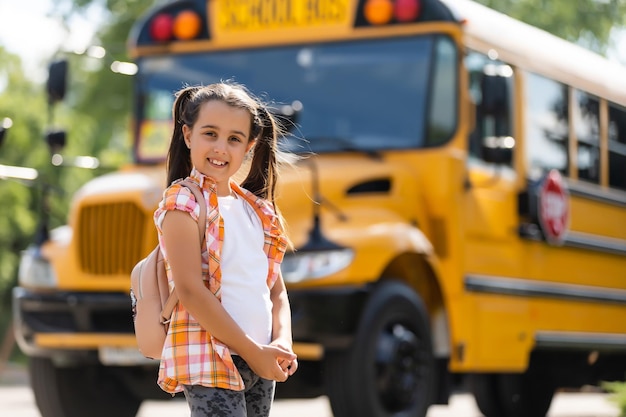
263 173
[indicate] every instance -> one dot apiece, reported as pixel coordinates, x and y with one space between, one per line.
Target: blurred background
92 35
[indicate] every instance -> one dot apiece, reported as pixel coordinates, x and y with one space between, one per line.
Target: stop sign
554 208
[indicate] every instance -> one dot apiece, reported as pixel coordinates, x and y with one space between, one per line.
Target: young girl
230 335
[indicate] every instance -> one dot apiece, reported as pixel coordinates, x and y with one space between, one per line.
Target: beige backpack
152 302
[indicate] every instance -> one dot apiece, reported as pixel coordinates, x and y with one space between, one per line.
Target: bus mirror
495 114
495 92
56 140
57 81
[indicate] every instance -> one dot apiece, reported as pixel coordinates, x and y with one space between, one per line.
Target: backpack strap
172 300
197 192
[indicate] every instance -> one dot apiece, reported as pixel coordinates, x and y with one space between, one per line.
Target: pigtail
263 173
179 157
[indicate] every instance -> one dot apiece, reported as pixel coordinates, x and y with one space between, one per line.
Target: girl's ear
250 145
187 135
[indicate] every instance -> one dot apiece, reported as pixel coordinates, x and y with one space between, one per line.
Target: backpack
152 302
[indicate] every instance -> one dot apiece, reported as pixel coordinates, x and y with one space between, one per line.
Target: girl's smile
218 163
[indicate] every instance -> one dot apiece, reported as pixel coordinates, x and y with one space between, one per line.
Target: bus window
155 132
493 113
587 128
443 105
617 146
546 125
362 95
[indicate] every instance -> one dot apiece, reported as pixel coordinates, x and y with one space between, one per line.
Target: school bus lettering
259 15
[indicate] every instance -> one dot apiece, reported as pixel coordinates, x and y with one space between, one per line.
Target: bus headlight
35 270
302 266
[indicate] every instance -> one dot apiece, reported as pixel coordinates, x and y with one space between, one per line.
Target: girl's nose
219 147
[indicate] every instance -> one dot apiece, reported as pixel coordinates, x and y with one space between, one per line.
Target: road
16 400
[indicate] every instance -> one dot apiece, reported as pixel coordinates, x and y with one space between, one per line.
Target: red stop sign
554 207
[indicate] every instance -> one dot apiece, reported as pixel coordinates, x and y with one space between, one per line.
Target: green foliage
23 145
102 97
587 22
618 395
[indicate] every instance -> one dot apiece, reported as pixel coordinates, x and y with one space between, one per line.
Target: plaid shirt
191 356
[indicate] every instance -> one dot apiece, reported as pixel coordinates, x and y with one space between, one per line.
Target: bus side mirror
56 140
495 110
57 81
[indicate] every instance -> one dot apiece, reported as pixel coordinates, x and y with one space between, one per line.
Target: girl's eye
235 139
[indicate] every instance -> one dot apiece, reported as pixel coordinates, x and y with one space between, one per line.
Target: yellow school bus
458 210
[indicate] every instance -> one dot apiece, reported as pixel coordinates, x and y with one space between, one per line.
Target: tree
24 104
586 22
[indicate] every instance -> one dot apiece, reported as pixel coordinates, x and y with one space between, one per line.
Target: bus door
491 219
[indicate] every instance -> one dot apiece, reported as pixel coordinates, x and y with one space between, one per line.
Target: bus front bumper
71 324
325 317
58 324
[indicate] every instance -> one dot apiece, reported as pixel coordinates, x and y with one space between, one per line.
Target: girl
229 338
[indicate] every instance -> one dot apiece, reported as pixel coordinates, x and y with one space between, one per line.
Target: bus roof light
187 25
407 10
161 27
378 12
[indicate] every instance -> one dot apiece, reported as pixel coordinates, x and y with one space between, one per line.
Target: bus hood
353 191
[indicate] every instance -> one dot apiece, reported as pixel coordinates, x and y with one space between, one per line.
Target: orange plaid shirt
191 356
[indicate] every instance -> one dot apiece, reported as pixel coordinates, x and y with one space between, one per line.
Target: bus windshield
367 95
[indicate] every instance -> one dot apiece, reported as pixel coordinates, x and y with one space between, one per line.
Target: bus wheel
512 395
78 391
523 395
389 370
484 387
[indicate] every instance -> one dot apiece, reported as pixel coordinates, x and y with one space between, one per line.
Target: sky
27 30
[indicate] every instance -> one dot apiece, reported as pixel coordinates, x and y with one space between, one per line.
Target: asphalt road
16 400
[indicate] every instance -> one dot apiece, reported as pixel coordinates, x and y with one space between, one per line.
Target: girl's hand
266 362
288 366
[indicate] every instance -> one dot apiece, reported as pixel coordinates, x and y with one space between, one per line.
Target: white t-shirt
244 264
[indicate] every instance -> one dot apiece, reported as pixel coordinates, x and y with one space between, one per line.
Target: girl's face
218 142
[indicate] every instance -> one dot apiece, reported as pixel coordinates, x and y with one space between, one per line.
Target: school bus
458 212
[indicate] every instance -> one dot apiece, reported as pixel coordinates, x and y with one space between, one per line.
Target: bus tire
78 391
511 395
389 371
523 395
484 388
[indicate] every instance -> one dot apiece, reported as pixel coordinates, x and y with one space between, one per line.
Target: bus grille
110 238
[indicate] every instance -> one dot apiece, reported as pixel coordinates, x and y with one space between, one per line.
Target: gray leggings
254 401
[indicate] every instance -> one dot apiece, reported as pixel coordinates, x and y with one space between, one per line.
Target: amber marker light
378 12
161 27
407 10
187 25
